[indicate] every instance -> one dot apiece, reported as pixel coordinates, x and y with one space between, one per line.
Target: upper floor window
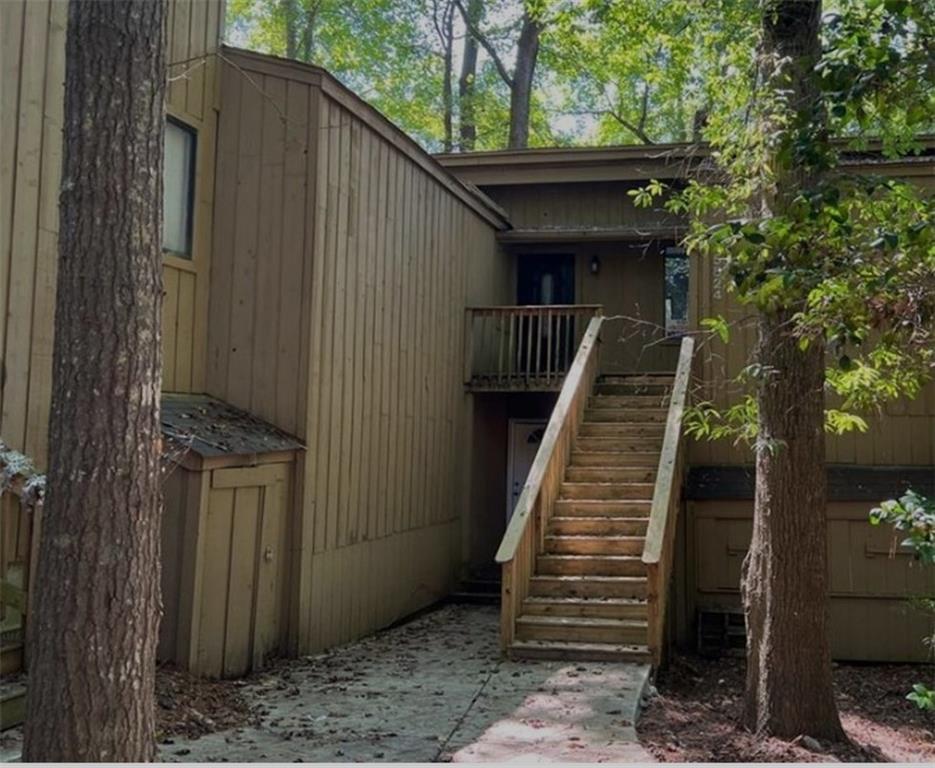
178 190
676 261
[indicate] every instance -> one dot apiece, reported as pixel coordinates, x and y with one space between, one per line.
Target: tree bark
527 51
467 121
446 33
789 688
95 625
290 14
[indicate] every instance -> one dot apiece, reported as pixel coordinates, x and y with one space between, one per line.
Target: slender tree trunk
95 626
290 14
467 124
789 688
447 96
527 51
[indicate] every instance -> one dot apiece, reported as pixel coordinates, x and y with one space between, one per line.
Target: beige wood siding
592 205
385 390
31 88
343 261
261 270
904 434
194 28
871 579
33 70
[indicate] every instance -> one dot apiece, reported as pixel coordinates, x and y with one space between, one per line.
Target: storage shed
225 537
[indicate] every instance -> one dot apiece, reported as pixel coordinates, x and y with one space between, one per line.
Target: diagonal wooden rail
524 537
667 498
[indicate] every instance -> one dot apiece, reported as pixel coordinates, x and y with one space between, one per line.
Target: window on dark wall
178 189
676 298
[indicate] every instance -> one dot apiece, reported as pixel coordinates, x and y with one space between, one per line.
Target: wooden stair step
666 376
581 458
602 507
628 401
581 629
634 415
598 526
631 389
552 649
648 431
612 491
618 444
594 545
610 474
542 585
608 607
590 565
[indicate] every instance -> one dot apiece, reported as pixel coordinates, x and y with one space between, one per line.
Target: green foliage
913 515
794 230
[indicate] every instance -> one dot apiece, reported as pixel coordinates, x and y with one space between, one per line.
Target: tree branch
486 45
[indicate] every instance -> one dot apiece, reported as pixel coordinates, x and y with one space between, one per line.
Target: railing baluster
504 345
512 349
548 348
538 370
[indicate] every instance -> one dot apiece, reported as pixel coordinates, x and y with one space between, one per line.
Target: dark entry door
545 279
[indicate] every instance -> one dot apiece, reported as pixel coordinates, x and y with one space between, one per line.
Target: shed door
244 569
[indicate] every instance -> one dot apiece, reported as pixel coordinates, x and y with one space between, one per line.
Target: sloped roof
211 427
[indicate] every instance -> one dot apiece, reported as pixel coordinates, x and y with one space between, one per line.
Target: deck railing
510 348
667 498
524 537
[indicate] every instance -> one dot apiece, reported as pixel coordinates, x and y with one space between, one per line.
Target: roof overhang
591 235
556 165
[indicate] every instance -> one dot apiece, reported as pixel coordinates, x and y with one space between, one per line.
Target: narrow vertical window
676 265
178 190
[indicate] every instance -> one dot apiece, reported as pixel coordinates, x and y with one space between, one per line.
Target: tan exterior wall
870 614
386 404
584 205
343 260
194 31
904 434
32 93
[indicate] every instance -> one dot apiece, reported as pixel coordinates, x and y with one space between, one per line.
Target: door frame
511 425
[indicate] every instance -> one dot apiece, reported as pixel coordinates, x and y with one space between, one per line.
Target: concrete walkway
435 689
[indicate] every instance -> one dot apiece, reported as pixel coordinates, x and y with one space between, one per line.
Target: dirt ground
696 716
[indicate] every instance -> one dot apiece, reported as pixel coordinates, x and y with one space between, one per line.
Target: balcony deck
523 348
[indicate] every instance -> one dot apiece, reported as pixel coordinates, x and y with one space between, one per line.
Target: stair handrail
523 540
667 498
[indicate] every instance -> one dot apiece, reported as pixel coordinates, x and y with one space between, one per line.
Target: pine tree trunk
527 51
467 122
95 625
789 688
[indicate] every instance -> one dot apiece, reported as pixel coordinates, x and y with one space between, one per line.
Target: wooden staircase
587 594
587 556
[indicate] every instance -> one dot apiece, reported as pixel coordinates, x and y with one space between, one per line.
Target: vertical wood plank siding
341 268
904 434
32 68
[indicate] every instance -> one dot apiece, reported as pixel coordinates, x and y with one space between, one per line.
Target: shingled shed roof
213 428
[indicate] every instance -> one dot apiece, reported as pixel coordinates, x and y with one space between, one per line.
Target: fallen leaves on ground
696 717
